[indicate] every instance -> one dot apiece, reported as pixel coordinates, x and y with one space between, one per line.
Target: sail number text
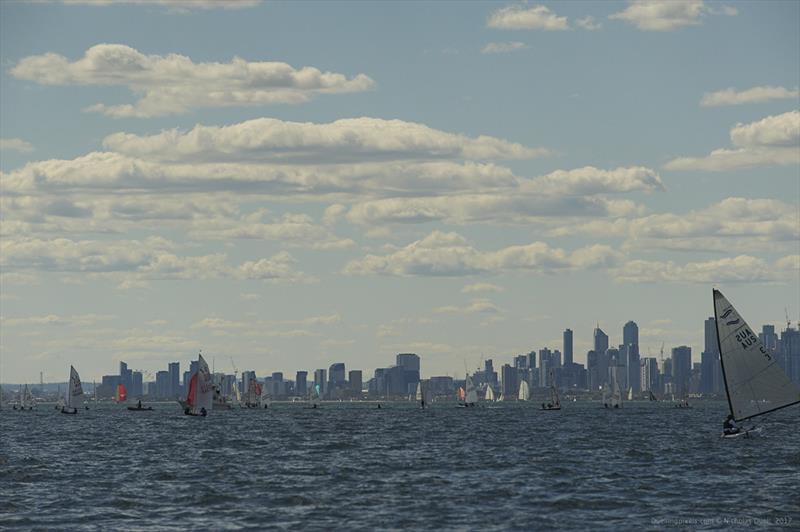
747 339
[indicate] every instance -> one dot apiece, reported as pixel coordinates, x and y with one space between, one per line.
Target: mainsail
524 391
74 390
630 393
472 392
122 393
462 395
205 388
489 393
754 381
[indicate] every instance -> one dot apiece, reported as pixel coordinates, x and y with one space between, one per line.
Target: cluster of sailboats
755 384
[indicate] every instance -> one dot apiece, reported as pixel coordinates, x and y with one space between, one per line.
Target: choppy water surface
352 466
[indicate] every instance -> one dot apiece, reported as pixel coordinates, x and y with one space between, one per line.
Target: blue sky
461 180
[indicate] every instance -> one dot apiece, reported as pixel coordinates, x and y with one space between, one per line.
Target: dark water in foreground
352 466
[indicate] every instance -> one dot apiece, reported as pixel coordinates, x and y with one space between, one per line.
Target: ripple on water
352 466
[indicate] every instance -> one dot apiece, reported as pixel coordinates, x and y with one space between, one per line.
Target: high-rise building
600 341
301 384
409 363
790 353
710 344
247 376
137 386
681 370
633 367
162 384
125 376
630 334
649 375
320 379
710 369
568 347
174 369
509 382
355 382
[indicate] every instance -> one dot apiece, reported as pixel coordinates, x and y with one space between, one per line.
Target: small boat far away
489 396
74 390
471 394
555 402
755 384
524 391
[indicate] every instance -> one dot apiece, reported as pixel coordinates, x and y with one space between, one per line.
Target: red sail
461 395
191 399
122 393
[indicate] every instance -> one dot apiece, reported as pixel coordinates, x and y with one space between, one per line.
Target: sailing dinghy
754 382
489 393
555 402
471 394
200 398
421 394
74 390
524 391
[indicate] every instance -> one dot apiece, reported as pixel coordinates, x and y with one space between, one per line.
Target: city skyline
462 187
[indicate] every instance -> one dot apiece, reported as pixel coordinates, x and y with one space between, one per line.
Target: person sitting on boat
729 426
139 404
203 412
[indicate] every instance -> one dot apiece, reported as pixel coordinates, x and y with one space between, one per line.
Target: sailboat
461 395
754 382
253 394
630 393
471 394
122 394
74 390
524 391
653 396
315 396
25 400
200 398
237 397
616 395
421 394
555 402
489 393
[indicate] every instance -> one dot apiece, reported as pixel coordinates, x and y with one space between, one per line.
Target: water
352 466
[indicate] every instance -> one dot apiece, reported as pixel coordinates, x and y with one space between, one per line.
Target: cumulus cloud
503 47
476 306
348 140
588 23
562 193
755 224
450 254
759 94
19 145
667 15
481 287
173 6
81 320
740 269
149 259
774 140
174 84
521 17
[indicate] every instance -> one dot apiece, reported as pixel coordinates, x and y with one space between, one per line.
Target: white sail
472 392
489 394
755 383
236 394
524 391
25 399
74 390
630 393
205 387
420 396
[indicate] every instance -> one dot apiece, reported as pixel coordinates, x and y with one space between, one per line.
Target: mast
714 293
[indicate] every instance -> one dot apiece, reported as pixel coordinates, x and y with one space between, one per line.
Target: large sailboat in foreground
754 382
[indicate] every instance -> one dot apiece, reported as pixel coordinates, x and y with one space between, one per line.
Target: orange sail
122 393
191 397
461 394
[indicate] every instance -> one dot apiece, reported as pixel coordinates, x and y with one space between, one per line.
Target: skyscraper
681 369
409 362
174 369
600 341
630 334
649 375
320 378
567 347
355 382
710 369
510 384
790 353
301 383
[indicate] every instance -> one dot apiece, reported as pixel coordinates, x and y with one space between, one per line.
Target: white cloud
503 47
754 95
740 269
175 84
346 140
15 145
449 254
81 320
520 17
667 15
476 306
481 287
150 259
173 6
733 223
588 23
774 140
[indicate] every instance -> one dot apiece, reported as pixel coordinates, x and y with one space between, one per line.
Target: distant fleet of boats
754 384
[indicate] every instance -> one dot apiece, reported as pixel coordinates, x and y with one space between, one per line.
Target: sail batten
754 382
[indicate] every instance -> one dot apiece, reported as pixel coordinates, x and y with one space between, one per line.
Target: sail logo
727 313
733 322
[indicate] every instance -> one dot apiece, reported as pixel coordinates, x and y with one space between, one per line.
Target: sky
288 185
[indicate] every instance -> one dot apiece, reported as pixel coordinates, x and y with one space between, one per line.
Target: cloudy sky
290 185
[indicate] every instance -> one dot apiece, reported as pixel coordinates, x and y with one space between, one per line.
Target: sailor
379 405
187 411
203 411
542 406
139 404
729 426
